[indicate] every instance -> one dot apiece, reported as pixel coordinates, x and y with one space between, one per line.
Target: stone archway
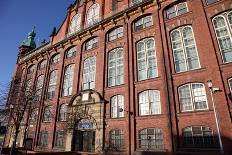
86 106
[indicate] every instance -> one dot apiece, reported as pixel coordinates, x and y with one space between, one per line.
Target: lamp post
212 91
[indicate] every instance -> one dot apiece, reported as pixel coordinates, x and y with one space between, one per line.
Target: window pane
89 73
117 106
224 38
68 80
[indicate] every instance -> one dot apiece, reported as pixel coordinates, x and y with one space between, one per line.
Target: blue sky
17 18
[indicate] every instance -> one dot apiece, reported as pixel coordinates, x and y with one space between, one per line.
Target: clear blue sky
17 18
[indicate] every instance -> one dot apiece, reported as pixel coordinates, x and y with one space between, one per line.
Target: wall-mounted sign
85 124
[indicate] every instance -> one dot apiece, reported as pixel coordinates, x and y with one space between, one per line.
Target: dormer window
143 23
93 15
55 59
75 24
115 34
177 10
92 43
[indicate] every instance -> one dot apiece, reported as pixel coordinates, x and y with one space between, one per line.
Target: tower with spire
28 44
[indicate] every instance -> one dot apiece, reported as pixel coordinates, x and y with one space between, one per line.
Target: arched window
93 15
75 24
47 114
89 73
177 10
39 87
71 52
34 115
199 137
63 112
146 59
149 102
223 28
151 138
115 67
192 97
230 85
184 49
68 80
55 59
115 34
28 86
52 85
143 22
31 69
92 43
42 64
116 138
117 106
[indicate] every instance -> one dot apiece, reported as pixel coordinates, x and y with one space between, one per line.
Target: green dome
30 42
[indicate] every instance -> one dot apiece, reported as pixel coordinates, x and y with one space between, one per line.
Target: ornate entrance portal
86 125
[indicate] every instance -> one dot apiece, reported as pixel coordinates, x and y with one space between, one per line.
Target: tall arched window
117 106
149 102
52 84
71 52
42 64
192 97
63 112
116 138
199 137
39 87
75 24
68 80
47 117
146 59
184 49
223 28
43 139
55 59
89 73
151 138
34 115
115 67
93 15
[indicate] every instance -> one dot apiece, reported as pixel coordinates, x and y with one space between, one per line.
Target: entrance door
84 141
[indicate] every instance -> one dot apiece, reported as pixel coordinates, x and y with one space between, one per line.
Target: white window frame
192 97
92 43
114 65
184 47
115 34
39 87
117 106
147 57
63 112
71 52
68 80
52 84
176 10
142 24
146 104
230 84
228 27
75 24
89 73
93 15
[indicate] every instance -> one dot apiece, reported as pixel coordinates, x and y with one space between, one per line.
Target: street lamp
212 91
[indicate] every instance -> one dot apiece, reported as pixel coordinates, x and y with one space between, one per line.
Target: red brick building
132 76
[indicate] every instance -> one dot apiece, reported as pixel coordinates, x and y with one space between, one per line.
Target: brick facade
172 120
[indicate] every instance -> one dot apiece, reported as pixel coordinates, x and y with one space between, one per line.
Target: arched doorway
86 123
